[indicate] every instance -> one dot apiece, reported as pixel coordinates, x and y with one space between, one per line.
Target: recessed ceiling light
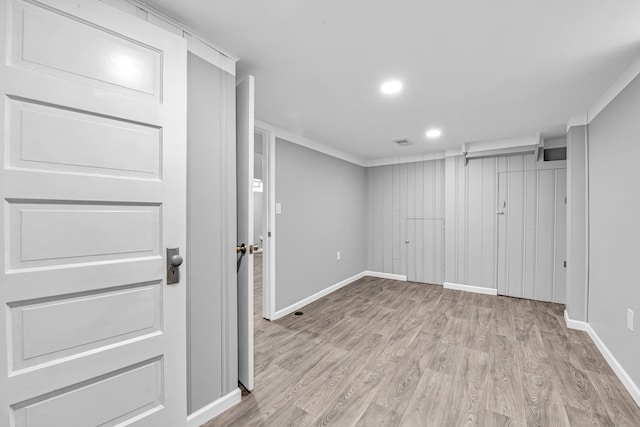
392 86
434 133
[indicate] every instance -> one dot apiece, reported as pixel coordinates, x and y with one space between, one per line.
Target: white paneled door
92 187
532 234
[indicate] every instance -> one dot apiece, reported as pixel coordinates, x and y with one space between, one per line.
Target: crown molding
308 143
623 80
627 76
579 120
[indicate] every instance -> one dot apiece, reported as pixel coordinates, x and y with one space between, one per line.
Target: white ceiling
478 70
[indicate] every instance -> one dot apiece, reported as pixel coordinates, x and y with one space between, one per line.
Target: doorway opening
263 222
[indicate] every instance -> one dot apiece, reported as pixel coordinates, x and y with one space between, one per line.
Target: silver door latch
174 260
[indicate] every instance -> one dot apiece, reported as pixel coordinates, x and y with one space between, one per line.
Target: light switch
278 208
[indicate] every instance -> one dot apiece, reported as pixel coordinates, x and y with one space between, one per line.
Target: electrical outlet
630 319
338 255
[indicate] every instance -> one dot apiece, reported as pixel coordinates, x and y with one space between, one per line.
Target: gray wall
614 208
577 225
210 262
323 211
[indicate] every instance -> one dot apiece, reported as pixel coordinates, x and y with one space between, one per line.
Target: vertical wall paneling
470 201
406 222
436 221
387 217
395 219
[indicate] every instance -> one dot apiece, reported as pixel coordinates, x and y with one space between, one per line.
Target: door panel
244 172
425 249
531 224
93 191
133 390
53 138
84 52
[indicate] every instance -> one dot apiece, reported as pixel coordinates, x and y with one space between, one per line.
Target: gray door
531 234
425 249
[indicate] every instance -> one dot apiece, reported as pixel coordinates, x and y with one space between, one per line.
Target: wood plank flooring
387 353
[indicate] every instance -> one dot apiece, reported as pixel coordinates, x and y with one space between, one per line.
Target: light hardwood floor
388 353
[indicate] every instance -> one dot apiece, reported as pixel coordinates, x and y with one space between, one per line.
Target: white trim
624 377
293 307
316 146
438 155
497 144
579 120
626 77
214 409
155 12
574 324
614 90
196 44
406 159
469 288
587 228
381 275
202 49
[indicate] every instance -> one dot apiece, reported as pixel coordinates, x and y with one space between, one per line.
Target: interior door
425 249
531 234
93 191
245 129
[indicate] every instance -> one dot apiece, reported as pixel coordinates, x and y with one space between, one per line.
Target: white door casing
93 191
245 128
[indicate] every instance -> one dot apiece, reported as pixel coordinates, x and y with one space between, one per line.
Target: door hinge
268 234
565 200
564 264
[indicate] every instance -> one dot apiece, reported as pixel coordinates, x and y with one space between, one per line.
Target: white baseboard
574 324
386 275
293 307
629 384
624 377
469 288
214 409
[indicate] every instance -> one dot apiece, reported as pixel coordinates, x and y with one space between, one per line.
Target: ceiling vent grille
403 142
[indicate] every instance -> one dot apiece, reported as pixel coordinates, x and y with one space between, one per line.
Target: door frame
268 133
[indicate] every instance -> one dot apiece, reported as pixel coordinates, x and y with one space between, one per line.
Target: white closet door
93 191
531 234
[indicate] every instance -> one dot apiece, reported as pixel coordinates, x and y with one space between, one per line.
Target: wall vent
403 142
555 154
